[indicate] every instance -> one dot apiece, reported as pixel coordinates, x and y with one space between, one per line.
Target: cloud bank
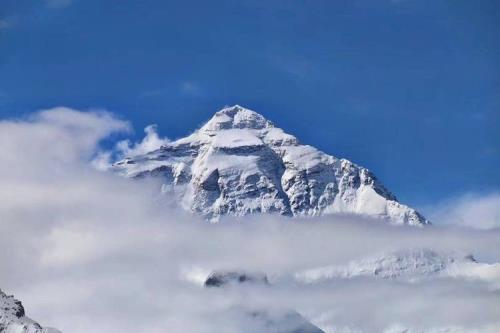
471 210
88 251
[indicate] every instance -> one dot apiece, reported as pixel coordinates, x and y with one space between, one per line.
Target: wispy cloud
4 24
57 4
481 211
293 64
4 98
186 88
150 142
190 88
154 93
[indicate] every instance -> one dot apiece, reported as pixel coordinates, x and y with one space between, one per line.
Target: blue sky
407 88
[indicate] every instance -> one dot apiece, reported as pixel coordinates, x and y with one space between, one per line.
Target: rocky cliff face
14 320
239 163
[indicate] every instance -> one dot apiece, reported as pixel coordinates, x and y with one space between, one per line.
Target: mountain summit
239 163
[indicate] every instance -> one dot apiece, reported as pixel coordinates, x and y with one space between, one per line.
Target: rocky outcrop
221 279
14 320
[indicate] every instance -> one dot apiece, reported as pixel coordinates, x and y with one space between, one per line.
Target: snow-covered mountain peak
236 117
239 163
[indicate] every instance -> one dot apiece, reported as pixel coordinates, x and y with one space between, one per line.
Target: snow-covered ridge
14 320
239 163
410 265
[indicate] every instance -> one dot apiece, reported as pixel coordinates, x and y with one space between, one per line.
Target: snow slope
409 265
239 163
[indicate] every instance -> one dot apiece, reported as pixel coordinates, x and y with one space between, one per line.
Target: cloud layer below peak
88 251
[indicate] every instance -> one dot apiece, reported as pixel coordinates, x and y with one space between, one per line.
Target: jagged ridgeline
239 163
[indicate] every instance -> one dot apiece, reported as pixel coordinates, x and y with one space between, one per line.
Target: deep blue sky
407 88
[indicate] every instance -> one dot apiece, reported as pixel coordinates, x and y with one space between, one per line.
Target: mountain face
239 163
13 319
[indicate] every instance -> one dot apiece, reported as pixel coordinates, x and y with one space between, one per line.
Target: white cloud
150 142
88 251
471 210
